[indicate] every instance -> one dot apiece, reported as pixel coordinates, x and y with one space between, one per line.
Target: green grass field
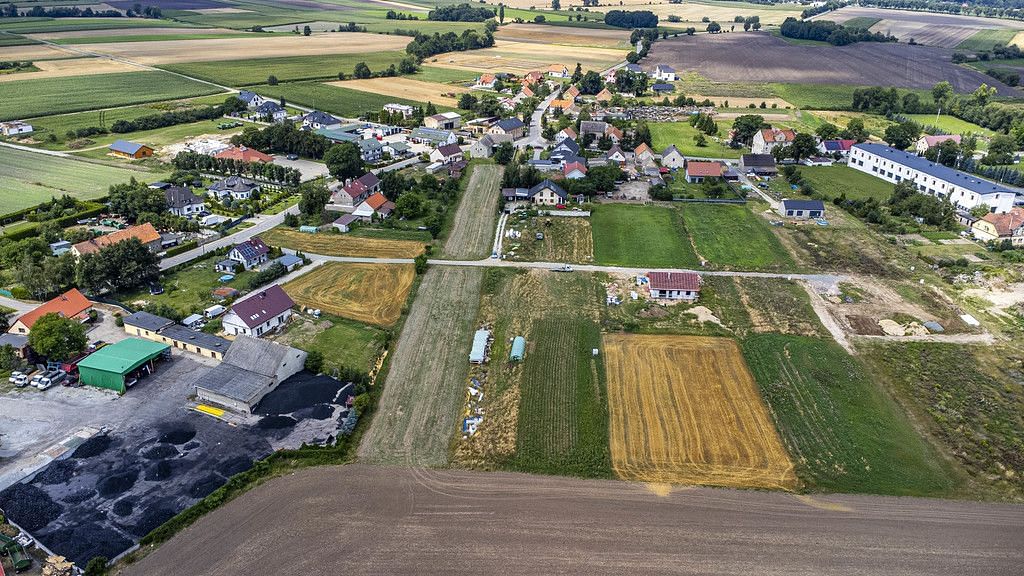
333 99
627 235
733 237
827 96
864 22
950 124
444 75
345 344
15 40
682 134
29 178
45 96
968 397
831 181
563 413
843 431
39 25
286 69
987 39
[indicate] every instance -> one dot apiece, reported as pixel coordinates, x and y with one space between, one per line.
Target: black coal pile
232 466
93 446
204 486
177 433
160 452
81 542
59 472
123 507
117 483
191 446
29 506
78 497
152 517
276 422
315 412
162 470
301 391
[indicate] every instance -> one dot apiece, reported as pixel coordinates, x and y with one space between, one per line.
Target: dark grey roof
287 260
147 321
269 108
318 117
548 184
196 338
510 124
257 355
16 341
126 147
234 184
662 87
262 306
758 160
235 383
566 145
791 204
179 197
962 179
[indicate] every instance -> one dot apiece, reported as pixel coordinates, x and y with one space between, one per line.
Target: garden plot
685 409
115 488
563 239
441 94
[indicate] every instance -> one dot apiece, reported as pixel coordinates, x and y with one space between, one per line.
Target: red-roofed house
527 92
532 78
643 154
1000 227
675 285
565 133
929 141
697 171
485 82
766 139
144 233
244 154
357 190
574 171
572 92
376 204
604 95
71 304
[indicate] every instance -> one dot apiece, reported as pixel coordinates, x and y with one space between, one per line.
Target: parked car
57 378
14 376
45 379
292 156
21 381
155 289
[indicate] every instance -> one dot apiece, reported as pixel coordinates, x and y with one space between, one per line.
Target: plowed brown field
370 293
685 409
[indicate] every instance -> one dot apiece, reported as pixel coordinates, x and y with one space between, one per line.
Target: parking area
308 168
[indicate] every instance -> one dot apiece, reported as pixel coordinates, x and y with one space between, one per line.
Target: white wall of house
689 295
547 197
234 326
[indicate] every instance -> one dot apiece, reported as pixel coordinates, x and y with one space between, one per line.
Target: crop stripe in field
815 421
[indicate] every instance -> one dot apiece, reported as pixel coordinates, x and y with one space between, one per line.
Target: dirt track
366 520
757 58
473 229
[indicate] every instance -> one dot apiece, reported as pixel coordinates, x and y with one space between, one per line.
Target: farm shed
518 348
110 366
134 150
479 352
251 369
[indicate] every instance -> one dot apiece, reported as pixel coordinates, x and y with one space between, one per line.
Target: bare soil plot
215 49
71 67
370 293
540 33
473 230
32 52
763 58
523 57
685 409
338 245
129 32
402 87
946 30
565 239
419 407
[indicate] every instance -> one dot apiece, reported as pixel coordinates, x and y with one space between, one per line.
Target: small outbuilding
479 352
802 209
115 367
518 348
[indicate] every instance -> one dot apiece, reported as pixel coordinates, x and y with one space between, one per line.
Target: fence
712 200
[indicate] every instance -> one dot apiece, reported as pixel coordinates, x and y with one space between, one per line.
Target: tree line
136 11
285 138
423 45
631 19
259 170
231 105
828 31
460 13
991 8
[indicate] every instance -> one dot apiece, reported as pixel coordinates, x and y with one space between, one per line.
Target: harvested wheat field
401 87
368 293
215 49
685 409
32 52
148 31
338 245
71 67
541 33
522 57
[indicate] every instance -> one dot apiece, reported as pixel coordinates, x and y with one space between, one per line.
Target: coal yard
116 487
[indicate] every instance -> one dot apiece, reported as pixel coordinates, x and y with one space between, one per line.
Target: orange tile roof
245 155
376 200
643 147
559 68
561 103
604 94
1007 222
145 233
69 305
704 169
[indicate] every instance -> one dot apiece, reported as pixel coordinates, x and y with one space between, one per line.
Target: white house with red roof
447 154
674 285
574 171
766 139
930 141
377 204
353 193
698 171
485 82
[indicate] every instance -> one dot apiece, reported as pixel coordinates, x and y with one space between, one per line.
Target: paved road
240 236
361 519
534 137
18 306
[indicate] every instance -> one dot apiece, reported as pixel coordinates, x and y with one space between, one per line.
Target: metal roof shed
518 348
108 366
479 351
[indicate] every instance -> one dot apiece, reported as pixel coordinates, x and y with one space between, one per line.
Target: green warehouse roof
124 356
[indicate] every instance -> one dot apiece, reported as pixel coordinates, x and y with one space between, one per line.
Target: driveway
230 240
308 168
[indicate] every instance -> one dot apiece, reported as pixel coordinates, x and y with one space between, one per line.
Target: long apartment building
964 190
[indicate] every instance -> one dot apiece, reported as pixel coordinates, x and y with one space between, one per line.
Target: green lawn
831 181
29 178
287 69
190 290
863 22
828 96
733 237
15 40
987 39
44 96
950 124
629 235
843 431
346 344
682 134
444 75
334 99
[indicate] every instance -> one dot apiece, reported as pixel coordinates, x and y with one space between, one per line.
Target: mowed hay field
70 67
472 232
541 33
440 94
177 51
47 96
419 407
762 58
685 410
370 293
338 245
523 57
29 178
629 235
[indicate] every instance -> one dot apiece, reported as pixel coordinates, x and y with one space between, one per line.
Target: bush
314 361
